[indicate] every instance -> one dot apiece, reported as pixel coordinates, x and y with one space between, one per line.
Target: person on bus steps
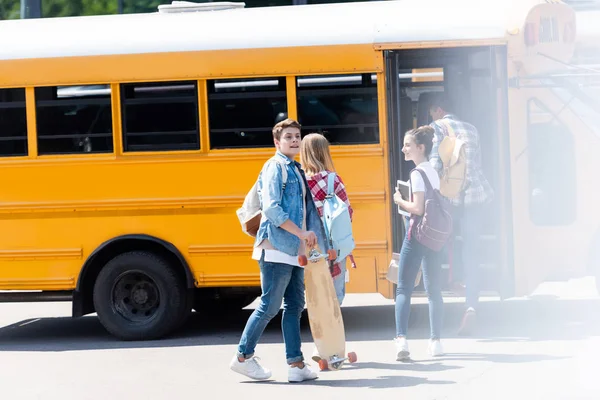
290 221
471 206
417 147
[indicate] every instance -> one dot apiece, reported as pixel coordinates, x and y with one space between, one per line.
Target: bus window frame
32 120
210 82
121 139
531 184
358 88
16 105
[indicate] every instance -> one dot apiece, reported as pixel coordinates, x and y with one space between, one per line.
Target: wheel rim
135 296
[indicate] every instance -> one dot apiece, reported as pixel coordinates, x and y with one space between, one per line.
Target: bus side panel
51 226
547 247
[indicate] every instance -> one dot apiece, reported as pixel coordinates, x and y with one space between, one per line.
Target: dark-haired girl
417 146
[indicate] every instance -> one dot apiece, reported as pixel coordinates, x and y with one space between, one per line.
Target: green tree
71 8
142 6
10 9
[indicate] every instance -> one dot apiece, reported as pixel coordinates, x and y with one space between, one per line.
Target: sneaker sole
302 380
402 355
251 377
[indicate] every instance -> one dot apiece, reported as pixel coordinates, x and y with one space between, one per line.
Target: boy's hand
310 237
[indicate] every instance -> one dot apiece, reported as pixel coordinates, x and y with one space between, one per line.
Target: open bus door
475 80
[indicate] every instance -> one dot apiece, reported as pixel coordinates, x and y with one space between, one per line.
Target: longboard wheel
332 254
352 357
302 260
323 364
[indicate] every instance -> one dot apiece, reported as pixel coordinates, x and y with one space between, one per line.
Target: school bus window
342 107
160 116
73 119
13 123
242 112
583 98
551 148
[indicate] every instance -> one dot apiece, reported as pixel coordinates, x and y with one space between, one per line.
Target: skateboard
324 314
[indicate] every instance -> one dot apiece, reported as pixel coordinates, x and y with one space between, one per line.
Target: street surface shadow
403 366
381 382
522 320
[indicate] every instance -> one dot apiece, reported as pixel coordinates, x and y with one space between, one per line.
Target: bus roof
377 22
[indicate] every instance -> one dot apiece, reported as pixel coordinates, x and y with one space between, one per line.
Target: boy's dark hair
423 135
442 101
286 123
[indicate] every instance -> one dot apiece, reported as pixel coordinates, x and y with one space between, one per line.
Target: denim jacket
278 206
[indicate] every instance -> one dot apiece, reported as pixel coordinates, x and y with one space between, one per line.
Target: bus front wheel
138 296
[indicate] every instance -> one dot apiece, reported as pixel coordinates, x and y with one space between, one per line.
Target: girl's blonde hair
315 155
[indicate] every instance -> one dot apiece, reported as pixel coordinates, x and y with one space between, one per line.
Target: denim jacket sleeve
271 194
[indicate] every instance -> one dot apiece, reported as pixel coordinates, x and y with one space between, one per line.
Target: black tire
138 296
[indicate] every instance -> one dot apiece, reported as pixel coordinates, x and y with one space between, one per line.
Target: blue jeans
279 282
471 224
339 282
411 256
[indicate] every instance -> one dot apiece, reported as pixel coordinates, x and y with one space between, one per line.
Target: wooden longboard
324 314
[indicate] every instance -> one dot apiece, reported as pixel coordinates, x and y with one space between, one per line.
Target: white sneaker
402 352
315 355
250 368
296 374
435 348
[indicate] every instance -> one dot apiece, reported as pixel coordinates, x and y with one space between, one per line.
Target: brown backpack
452 155
434 228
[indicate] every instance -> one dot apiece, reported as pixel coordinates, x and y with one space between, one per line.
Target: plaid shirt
478 189
318 188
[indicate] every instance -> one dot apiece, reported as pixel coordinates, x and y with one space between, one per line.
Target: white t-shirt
416 180
276 256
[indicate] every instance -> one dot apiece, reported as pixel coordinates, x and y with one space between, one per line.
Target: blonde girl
317 165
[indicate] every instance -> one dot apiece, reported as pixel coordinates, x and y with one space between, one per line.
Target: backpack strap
330 184
425 179
449 129
446 126
330 181
413 218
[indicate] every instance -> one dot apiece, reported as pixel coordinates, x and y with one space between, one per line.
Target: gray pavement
543 347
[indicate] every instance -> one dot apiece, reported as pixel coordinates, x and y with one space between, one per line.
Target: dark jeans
471 219
411 256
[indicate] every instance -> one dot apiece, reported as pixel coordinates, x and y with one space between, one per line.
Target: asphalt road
544 347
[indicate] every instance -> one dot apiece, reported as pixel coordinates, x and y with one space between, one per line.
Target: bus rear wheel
138 296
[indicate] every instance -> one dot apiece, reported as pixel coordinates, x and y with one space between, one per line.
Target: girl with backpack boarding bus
325 184
424 238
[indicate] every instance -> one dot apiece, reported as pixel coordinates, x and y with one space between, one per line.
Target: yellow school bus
583 100
129 141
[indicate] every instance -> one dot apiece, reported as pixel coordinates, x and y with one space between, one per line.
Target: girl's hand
397 197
